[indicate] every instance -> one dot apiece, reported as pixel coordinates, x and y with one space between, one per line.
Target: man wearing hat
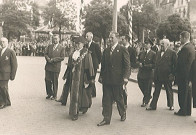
8 67
146 61
54 54
164 72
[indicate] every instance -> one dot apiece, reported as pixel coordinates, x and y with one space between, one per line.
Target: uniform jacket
148 63
184 62
116 66
96 54
54 58
8 65
165 66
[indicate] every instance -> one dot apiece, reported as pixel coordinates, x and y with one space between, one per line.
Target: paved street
32 114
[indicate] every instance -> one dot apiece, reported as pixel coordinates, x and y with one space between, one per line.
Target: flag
130 12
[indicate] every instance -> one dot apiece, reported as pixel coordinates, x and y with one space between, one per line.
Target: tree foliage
172 27
98 18
15 21
60 16
35 17
146 19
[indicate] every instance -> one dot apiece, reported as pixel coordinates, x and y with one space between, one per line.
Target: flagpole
130 14
114 23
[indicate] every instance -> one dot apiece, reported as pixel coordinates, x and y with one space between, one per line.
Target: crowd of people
163 64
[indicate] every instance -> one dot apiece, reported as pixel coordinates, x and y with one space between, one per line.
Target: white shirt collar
148 50
3 50
55 46
114 46
127 45
89 43
185 43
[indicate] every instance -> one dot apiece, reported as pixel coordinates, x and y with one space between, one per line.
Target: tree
61 16
35 15
98 18
144 17
172 27
15 21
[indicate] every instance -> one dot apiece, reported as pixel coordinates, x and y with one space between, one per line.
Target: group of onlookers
28 48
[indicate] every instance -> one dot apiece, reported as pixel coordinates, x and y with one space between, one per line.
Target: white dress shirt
3 50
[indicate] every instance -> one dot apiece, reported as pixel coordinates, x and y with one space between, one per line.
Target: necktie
54 47
111 50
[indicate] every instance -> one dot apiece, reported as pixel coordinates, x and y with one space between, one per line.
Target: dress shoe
75 117
123 117
84 112
52 98
48 97
150 109
102 123
2 106
171 108
195 121
144 105
179 114
58 100
64 104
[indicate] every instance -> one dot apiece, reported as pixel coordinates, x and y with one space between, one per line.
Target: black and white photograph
97 67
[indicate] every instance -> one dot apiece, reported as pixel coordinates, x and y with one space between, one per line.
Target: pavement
32 114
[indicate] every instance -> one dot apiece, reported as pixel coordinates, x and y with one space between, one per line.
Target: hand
86 85
190 84
125 81
52 60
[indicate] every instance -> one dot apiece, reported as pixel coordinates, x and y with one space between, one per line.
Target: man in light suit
164 74
8 67
54 54
115 71
185 59
95 50
146 61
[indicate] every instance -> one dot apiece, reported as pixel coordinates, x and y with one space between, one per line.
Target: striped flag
130 13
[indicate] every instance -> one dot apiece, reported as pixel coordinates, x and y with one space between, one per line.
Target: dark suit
164 75
185 59
133 55
96 57
52 68
8 67
114 68
145 74
67 86
193 79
